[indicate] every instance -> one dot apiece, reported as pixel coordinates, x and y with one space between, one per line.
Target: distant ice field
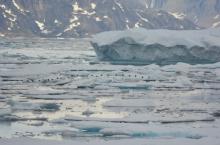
57 90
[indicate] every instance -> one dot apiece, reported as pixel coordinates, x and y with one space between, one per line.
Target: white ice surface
164 37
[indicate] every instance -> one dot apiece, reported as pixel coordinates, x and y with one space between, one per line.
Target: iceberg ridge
158 46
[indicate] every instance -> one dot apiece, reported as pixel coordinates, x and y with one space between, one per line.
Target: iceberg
158 46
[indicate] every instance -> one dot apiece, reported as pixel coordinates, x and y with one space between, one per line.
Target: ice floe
57 89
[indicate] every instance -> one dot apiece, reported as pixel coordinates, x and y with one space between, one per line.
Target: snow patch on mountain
2 35
18 7
216 24
40 25
119 5
217 16
76 7
178 15
73 24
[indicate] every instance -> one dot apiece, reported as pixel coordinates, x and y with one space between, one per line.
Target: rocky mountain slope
82 18
205 13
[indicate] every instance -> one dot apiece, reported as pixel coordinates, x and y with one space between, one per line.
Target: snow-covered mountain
80 18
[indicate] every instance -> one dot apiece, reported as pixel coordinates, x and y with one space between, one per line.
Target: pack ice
158 46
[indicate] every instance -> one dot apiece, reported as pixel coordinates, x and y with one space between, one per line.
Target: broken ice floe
6 110
49 92
35 107
124 130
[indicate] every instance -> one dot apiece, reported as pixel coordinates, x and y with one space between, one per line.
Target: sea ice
6 110
51 90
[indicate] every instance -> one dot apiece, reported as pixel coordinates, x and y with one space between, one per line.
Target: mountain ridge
83 18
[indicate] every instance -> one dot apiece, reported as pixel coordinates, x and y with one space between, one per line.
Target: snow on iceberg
158 46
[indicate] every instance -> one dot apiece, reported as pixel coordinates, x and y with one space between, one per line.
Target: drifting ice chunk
158 46
5 111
